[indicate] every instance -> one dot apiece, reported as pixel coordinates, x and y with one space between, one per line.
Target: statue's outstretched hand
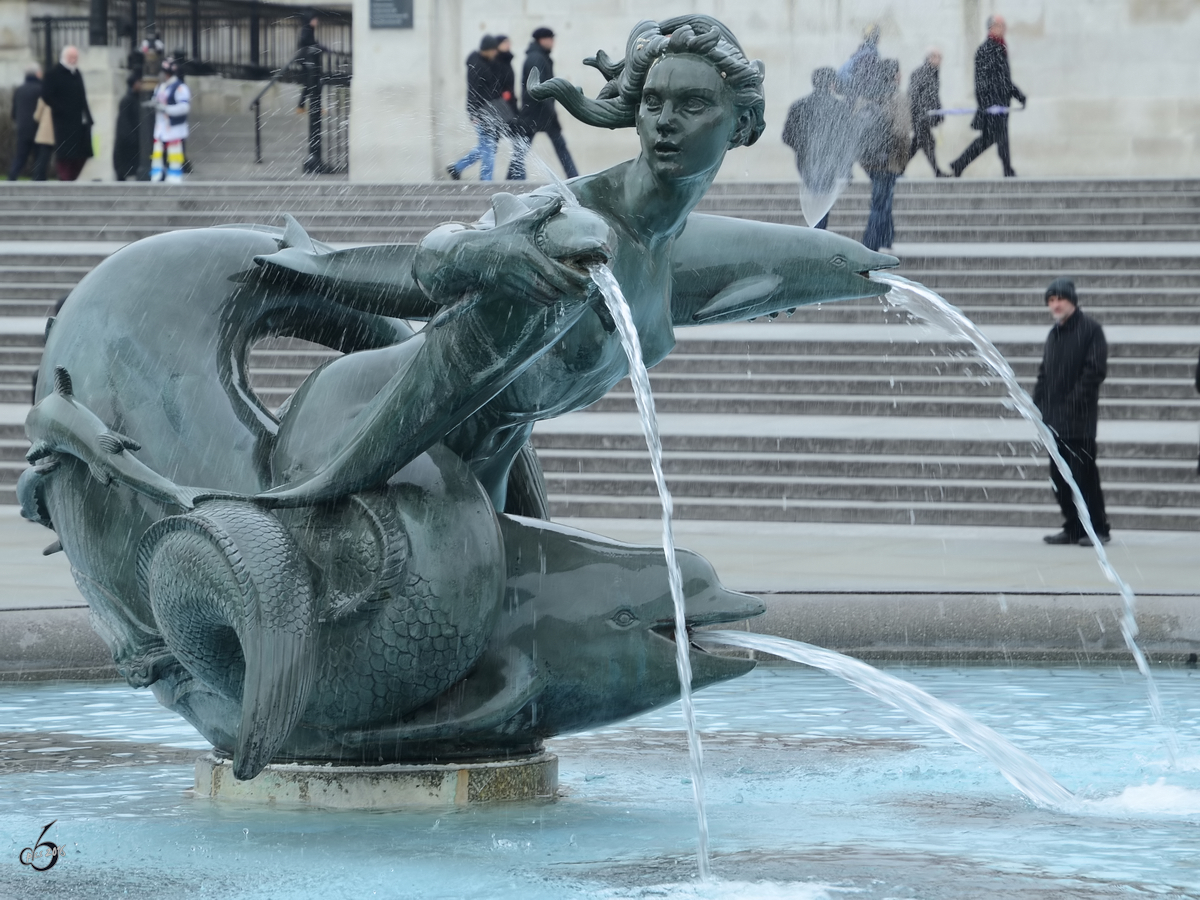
534 251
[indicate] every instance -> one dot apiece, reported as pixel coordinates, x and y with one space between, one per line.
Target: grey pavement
784 557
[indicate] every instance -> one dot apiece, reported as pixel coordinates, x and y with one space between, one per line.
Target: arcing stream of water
1025 774
1018 767
928 306
640 379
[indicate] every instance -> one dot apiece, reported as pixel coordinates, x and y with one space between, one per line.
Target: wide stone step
866 512
848 314
876 489
866 405
676 464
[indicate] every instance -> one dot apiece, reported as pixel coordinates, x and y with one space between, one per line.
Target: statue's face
686 119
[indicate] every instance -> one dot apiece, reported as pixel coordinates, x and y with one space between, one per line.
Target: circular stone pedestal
383 786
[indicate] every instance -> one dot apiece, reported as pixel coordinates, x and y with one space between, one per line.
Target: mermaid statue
369 573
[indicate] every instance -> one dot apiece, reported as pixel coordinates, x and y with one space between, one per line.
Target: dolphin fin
507 208
101 474
294 235
743 292
56 547
62 381
115 442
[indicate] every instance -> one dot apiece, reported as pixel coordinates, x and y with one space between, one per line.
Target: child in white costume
172 100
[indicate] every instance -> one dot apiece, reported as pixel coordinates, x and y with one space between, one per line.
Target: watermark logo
42 856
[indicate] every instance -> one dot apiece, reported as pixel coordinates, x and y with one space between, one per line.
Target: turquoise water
815 790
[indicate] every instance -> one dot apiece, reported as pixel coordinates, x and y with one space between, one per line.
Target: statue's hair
617 103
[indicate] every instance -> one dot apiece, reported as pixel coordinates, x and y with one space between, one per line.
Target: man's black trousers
1080 454
923 140
995 131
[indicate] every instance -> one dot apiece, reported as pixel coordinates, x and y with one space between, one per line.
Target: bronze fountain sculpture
368 574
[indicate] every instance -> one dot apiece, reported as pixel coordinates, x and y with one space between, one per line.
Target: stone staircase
925 211
835 415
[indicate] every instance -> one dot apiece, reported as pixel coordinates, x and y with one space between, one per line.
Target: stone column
104 80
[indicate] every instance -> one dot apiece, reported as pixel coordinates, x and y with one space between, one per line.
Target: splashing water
928 306
1017 766
815 205
640 379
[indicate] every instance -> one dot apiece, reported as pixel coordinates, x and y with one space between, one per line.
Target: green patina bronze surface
369 573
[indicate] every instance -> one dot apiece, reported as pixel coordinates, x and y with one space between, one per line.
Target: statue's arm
729 270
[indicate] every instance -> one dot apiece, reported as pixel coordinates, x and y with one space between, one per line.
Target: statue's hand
534 252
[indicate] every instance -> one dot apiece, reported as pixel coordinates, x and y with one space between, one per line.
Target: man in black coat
993 87
25 100
925 95
540 115
820 130
64 93
1074 364
484 108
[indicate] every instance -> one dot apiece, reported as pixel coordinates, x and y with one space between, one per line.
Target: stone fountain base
384 786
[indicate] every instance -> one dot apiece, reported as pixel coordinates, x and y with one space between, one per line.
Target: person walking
924 96
883 115
993 88
820 130
860 71
25 104
64 93
508 113
172 102
485 108
310 53
1074 365
540 115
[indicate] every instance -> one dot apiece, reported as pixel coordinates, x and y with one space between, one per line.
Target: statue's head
685 84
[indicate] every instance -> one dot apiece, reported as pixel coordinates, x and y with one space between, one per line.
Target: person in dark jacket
1074 364
540 115
484 92
820 130
310 54
25 100
859 75
883 121
127 151
925 95
993 88
64 93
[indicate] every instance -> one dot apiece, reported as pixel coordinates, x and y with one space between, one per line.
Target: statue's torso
589 360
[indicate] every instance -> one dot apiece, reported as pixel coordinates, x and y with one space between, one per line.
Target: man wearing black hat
539 115
485 106
1074 364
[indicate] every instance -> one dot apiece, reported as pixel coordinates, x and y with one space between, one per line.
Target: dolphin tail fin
233 564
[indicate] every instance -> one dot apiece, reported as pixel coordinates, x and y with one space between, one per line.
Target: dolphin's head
597 616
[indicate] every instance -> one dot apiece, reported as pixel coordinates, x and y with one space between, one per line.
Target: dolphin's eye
838 262
623 618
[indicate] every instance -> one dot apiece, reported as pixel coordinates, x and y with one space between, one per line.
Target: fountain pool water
812 793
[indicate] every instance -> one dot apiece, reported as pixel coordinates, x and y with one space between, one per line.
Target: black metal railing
250 41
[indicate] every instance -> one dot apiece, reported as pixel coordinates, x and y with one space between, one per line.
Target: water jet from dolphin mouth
1018 767
921 303
618 308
